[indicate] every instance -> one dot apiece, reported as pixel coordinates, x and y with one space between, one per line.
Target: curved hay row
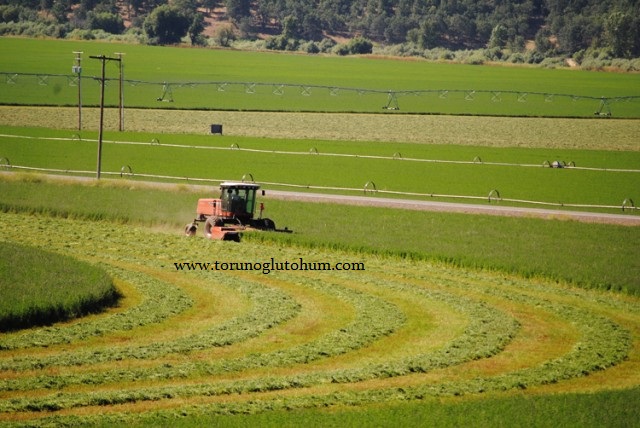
269 308
161 300
246 342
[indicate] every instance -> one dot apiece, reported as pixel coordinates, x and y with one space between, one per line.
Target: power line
103 59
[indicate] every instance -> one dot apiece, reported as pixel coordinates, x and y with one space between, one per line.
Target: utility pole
121 96
77 69
104 59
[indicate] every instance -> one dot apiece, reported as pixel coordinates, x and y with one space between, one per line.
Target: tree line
558 27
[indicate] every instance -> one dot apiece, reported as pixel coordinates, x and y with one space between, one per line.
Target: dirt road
630 218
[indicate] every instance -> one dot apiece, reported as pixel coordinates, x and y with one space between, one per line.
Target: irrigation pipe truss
313 151
369 187
279 89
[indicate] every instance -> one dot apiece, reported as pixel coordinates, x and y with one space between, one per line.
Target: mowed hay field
194 342
558 133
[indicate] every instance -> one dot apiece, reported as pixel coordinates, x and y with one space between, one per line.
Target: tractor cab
236 204
238 200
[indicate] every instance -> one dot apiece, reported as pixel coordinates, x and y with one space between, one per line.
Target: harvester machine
232 213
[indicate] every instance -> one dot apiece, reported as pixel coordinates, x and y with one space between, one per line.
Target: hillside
548 27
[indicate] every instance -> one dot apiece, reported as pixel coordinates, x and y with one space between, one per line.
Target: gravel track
498 210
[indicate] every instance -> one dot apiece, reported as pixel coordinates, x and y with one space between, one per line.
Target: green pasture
409 169
567 410
39 287
591 255
237 80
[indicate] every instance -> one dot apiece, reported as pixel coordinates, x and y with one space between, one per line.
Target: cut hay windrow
225 342
161 300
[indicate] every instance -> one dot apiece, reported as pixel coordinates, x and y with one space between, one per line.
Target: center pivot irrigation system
279 89
169 91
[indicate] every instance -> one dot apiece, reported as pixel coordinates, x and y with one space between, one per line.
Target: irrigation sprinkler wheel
495 195
5 163
126 170
370 186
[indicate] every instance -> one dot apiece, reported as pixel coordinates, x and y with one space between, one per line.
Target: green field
43 288
234 80
608 178
451 319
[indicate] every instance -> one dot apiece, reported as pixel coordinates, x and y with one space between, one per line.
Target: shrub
33 29
475 58
627 65
360 45
446 55
579 56
10 13
310 48
224 35
341 49
403 50
356 46
282 43
106 21
534 57
326 45
166 25
494 53
81 34
552 63
516 58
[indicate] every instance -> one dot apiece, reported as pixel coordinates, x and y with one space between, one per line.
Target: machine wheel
190 229
235 237
211 222
268 224
263 224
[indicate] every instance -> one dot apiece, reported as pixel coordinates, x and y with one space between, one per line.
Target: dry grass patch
583 134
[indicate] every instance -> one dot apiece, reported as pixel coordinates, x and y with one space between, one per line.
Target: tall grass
589 255
109 200
40 288
608 408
